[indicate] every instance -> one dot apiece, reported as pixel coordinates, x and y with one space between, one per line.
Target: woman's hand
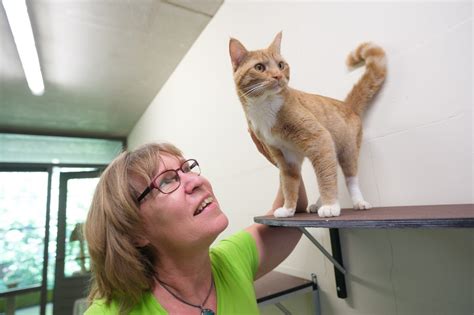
262 148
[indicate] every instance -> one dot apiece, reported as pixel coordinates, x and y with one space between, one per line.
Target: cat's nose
277 76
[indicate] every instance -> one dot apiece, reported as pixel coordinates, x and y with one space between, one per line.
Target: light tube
20 26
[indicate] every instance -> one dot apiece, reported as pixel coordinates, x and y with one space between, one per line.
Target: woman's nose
190 181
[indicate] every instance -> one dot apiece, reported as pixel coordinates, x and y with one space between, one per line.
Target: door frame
15 167
64 177
44 167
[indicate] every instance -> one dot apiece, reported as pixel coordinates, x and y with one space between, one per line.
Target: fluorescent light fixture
20 25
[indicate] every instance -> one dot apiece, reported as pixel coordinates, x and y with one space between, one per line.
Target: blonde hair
122 270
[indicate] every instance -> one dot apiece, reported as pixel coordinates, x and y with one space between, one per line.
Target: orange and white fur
293 124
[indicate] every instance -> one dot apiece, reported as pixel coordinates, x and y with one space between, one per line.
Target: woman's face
173 221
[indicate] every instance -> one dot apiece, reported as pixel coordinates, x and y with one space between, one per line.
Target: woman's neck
189 280
186 275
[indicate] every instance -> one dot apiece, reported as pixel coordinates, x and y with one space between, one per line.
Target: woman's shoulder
235 242
100 306
237 251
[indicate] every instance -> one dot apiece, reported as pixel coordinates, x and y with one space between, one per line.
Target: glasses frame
152 185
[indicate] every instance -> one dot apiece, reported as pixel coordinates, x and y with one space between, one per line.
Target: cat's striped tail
371 80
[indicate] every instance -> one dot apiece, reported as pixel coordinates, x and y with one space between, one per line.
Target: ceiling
103 62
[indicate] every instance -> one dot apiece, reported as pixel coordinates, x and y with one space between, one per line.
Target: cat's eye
259 67
281 65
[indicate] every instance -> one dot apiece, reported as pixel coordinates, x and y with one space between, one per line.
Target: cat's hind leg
348 160
358 200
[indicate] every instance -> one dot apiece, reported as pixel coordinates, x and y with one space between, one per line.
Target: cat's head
260 72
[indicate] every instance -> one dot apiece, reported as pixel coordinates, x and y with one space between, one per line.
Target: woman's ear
141 241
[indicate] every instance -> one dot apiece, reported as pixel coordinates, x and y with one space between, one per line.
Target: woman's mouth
203 205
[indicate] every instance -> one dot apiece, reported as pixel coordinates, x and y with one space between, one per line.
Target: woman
149 231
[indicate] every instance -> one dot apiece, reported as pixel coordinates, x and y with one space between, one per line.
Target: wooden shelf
275 287
434 216
275 284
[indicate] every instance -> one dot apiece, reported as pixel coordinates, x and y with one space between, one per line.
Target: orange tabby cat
293 124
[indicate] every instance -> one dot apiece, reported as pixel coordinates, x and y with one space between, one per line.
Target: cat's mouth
277 86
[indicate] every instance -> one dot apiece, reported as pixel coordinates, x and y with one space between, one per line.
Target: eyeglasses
169 180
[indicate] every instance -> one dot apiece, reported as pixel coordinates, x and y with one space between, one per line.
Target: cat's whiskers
255 88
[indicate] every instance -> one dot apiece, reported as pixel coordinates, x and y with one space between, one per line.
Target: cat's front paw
284 212
362 205
333 210
314 207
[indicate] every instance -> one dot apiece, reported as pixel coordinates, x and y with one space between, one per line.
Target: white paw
319 203
284 212
314 207
333 210
362 205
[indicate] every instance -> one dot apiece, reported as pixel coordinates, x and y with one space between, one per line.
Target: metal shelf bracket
336 260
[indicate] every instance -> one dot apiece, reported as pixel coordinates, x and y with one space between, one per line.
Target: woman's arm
274 244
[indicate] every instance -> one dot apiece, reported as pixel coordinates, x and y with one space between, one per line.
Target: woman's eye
167 180
259 67
281 65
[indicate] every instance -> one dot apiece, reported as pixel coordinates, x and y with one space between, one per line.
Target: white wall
417 146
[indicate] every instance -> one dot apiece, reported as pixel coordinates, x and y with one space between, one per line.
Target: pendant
206 311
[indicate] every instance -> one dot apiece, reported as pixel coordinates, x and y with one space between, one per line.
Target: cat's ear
275 45
237 52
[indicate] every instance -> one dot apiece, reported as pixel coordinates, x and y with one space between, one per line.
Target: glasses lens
191 166
167 182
